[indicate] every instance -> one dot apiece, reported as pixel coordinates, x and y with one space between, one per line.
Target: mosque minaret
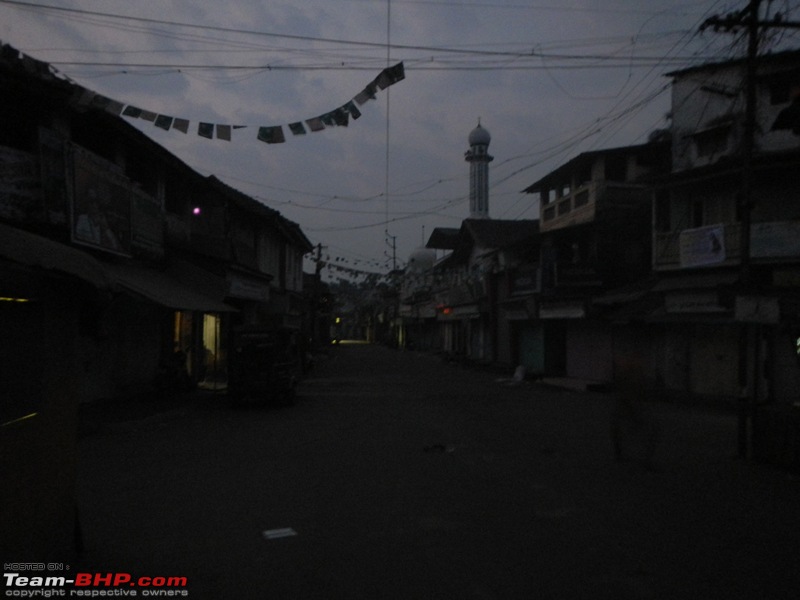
478 158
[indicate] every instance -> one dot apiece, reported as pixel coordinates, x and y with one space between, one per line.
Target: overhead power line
462 51
345 67
286 36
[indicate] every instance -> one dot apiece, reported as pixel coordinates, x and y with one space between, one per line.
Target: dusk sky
548 79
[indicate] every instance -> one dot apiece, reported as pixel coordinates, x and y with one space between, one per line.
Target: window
616 168
584 175
549 213
712 142
582 198
565 206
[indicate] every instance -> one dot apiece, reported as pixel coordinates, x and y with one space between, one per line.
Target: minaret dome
479 136
478 158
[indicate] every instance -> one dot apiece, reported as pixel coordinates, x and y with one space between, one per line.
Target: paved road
406 478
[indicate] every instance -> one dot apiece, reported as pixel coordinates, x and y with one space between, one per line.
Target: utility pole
749 19
315 299
393 246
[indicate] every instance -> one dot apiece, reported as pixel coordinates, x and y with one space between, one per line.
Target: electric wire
453 59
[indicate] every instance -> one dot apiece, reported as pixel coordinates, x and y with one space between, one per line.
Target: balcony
571 209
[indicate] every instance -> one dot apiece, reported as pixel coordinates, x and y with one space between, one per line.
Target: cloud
538 117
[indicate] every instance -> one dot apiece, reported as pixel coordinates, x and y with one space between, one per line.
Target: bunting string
270 134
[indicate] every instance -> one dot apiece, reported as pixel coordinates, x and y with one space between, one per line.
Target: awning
161 288
34 250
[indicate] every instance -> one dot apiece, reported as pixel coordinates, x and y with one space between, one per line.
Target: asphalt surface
398 476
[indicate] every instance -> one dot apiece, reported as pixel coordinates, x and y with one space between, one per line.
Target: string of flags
335 265
270 134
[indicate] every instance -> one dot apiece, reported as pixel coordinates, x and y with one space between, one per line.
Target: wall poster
101 204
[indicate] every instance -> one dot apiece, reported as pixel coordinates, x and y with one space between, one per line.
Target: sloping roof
44 81
240 199
290 230
493 233
443 238
295 233
585 159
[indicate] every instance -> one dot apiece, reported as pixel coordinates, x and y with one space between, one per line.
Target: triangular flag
224 132
205 130
297 128
271 135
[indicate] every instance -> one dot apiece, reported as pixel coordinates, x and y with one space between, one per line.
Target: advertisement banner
101 204
702 246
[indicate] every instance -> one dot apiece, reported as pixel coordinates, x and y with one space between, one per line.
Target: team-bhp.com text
93 585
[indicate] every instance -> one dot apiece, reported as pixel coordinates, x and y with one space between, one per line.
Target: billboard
101 204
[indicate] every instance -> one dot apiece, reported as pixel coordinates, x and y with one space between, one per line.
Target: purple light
196 210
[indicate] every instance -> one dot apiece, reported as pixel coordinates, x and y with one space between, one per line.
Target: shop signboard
101 204
757 309
147 224
693 302
19 182
702 246
775 240
53 167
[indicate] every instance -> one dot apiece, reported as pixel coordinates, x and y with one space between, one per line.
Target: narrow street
398 476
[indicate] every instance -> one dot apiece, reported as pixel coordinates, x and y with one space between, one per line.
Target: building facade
595 236
725 240
122 272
